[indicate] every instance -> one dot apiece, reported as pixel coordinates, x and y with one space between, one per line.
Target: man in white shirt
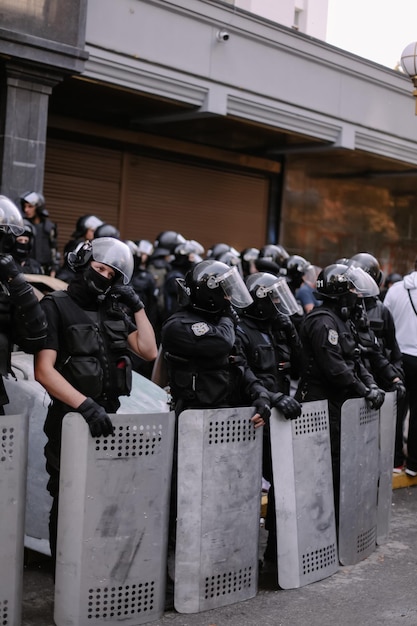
401 300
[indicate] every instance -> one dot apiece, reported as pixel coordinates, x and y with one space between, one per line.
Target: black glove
282 322
8 268
262 406
375 398
399 387
96 417
289 407
125 294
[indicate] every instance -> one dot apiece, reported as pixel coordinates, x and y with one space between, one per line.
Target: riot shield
302 470
359 474
13 463
218 512
113 521
387 421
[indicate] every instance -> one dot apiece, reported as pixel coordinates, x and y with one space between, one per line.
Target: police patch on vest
200 328
333 337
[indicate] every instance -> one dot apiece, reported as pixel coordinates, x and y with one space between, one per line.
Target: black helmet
248 257
86 222
392 278
37 200
231 258
275 253
187 253
270 294
370 264
167 241
211 286
296 266
218 249
107 250
337 280
106 230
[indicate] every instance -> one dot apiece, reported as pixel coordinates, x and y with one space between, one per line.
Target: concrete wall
264 72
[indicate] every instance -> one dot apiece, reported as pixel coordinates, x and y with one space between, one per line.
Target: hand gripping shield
218 510
359 474
113 521
302 471
13 463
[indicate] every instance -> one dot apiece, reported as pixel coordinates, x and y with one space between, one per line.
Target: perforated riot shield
113 521
387 421
302 469
219 498
359 474
13 462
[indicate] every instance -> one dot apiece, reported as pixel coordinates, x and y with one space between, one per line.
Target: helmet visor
281 296
363 283
11 220
233 286
114 253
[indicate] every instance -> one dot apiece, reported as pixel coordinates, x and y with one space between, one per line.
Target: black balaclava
88 287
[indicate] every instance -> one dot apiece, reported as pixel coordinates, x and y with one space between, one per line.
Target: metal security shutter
81 180
202 203
143 196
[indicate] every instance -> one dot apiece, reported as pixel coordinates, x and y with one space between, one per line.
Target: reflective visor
233 286
281 295
363 283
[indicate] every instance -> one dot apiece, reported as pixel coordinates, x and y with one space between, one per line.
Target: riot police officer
381 324
85 364
332 366
44 248
22 321
271 345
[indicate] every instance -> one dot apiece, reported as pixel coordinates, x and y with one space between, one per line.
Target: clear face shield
364 284
310 275
233 286
114 253
11 220
281 296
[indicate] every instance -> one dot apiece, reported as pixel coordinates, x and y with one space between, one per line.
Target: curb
403 480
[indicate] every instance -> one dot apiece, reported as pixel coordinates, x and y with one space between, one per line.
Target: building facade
155 121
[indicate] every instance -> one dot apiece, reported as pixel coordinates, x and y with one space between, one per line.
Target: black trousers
410 371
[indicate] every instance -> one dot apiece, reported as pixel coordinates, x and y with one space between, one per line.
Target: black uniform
22 321
272 349
44 248
90 338
332 369
206 366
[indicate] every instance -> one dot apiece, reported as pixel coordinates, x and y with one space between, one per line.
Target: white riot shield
387 422
359 474
26 394
303 484
113 521
13 462
219 500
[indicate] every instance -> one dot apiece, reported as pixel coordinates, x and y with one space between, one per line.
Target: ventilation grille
121 603
132 441
367 416
366 540
228 583
313 422
4 613
230 431
7 443
319 559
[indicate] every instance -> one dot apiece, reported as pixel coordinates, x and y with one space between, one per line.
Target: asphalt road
381 590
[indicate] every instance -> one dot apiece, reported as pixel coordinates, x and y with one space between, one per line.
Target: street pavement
380 590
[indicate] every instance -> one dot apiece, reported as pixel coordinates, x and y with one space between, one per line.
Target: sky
378 30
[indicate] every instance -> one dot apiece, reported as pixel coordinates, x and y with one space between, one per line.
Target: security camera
222 35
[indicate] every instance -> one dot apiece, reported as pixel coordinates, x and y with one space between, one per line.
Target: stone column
24 96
